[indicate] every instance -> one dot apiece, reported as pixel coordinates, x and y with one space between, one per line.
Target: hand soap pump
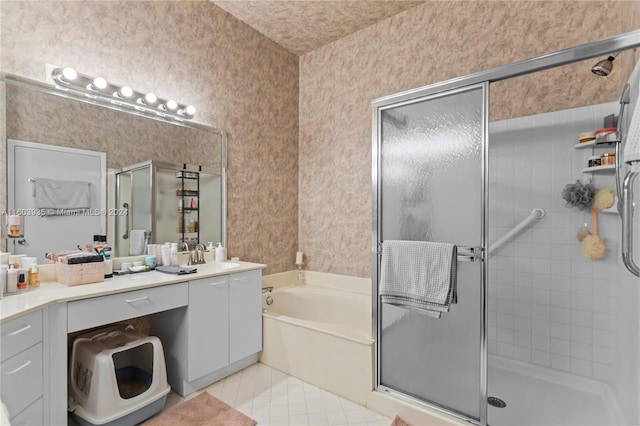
219 253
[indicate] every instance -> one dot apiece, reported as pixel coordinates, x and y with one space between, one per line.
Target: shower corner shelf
600 169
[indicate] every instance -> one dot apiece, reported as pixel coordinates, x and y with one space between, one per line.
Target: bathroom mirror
43 113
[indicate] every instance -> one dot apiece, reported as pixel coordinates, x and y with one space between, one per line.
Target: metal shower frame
578 53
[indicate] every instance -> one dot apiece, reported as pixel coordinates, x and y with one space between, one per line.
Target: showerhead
604 67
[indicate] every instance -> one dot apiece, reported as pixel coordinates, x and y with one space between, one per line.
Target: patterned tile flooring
273 398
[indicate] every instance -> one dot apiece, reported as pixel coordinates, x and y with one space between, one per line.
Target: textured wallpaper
196 53
427 44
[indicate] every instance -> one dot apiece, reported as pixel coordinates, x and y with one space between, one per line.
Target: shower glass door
429 186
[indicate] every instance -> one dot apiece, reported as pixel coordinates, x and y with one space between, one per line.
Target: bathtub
320 331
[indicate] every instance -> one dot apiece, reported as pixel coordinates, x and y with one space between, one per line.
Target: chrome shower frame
579 53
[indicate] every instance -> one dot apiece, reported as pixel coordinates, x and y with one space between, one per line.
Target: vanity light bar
121 95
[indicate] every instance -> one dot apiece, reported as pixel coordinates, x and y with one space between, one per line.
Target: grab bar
126 218
627 220
536 214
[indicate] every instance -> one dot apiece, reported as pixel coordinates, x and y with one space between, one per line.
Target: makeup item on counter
608 159
22 283
593 161
12 280
586 137
126 265
220 253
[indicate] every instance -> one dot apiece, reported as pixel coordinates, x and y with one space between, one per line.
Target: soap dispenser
219 253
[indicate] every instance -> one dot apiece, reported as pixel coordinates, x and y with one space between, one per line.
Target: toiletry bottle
12 280
3 279
22 284
34 276
219 253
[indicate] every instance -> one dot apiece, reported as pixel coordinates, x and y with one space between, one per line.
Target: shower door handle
627 221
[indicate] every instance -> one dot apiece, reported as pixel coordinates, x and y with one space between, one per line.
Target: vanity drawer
32 415
103 310
22 379
20 333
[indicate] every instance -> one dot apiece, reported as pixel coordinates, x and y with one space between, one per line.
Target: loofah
593 246
578 195
604 198
583 232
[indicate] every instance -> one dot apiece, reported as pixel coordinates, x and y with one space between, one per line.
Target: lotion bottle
12 280
219 253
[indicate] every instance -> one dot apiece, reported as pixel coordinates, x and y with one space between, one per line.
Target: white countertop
50 292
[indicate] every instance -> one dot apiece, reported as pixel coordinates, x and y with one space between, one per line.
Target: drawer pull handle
25 328
240 279
15 370
136 300
215 284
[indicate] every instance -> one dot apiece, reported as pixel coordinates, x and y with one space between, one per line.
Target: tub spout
267 290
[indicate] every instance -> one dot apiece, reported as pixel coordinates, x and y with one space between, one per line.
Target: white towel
137 242
62 197
419 275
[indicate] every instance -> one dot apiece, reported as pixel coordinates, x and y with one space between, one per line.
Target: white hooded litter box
117 377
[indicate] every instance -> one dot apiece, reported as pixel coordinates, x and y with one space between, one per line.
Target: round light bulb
125 92
69 74
190 110
150 99
99 83
171 105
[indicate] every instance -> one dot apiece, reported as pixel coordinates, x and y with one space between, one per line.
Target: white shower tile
521 278
541 343
521 323
581 334
603 355
560 331
522 294
505 321
582 302
581 351
541 358
582 318
582 367
604 338
522 309
522 353
540 312
505 335
560 269
602 371
505 349
540 296
540 327
561 362
560 315
560 346
560 299
522 339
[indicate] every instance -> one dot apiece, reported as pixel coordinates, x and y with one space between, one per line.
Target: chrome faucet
183 245
196 257
267 290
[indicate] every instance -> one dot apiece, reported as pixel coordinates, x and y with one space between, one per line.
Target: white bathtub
320 332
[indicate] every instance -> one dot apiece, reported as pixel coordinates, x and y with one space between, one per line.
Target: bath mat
397 421
203 410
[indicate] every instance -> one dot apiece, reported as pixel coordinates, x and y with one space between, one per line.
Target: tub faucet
267 290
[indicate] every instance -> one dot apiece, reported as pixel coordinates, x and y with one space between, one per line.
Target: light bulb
171 105
68 75
150 99
125 92
98 83
189 111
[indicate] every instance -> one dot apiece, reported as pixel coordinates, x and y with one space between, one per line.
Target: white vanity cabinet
208 334
245 314
219 333
21 367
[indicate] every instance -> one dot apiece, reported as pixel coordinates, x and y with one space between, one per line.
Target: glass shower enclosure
540 333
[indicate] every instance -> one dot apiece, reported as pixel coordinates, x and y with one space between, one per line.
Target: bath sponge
579 195
593 246
604 198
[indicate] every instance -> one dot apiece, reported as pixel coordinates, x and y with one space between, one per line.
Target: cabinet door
208 331
245 316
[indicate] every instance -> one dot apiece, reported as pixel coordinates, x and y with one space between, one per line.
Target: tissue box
80 273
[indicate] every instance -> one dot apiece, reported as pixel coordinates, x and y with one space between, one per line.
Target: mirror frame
106 102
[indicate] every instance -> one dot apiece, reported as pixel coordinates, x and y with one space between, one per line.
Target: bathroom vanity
210 325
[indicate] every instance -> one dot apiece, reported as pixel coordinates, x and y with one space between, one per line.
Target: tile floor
273 398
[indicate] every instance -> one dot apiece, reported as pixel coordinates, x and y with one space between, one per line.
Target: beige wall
194 52
430 43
